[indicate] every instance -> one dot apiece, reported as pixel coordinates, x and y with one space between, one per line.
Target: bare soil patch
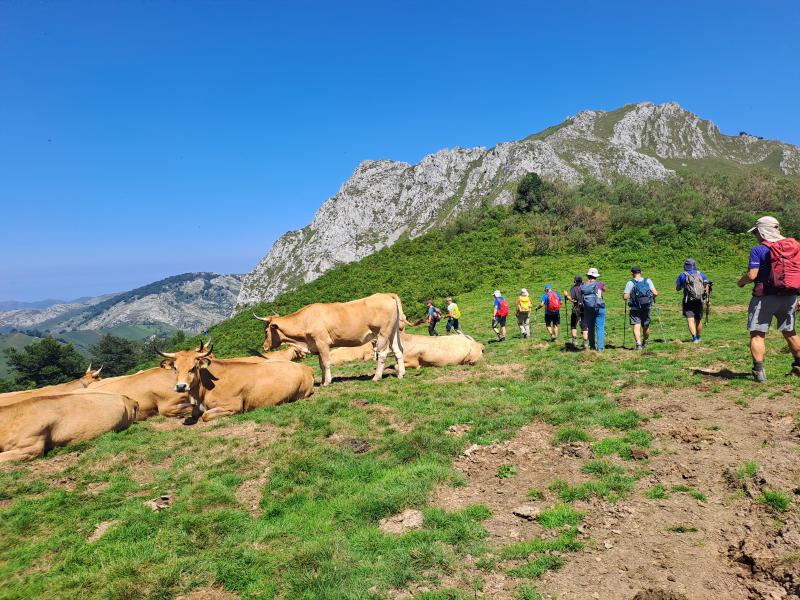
250 492
101 530
515 371
209 593
256 435
383 416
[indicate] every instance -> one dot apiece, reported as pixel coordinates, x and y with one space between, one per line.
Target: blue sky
144 139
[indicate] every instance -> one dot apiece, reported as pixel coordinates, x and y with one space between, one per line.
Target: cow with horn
319 327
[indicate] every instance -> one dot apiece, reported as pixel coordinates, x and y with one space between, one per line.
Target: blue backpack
641 294
590 297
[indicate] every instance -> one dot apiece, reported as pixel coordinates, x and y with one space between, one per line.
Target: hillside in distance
385 201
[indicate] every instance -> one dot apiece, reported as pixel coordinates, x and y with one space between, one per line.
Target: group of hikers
774 269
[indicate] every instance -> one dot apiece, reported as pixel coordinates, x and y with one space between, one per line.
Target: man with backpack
594 309
499 316
774 269
575 297
640 293
551 301
695 287
453 315
524 313
434 315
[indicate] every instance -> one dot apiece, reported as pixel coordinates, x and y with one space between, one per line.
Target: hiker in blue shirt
695 287
433 316
640 293
594 309
551 301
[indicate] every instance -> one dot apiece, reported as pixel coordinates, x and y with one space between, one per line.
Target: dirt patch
96 488
651 594
729 309
515 371
405 521
165 424
382 416
101 530
44 467
209 593
255 435
506 371
250 492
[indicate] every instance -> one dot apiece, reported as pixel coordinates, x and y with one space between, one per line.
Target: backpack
553 302
577 294
524 304
437 314
694 288
589 296
455 311
784 256
502 309
641 294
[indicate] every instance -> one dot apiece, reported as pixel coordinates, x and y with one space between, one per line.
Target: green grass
776 500
568 435
747 471
696 494
507 471
559 515
535 494
682 529
657 492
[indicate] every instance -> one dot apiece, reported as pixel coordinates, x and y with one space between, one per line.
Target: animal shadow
721 374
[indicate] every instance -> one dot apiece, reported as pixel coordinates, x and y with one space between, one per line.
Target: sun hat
593 272
768 228
689 265
448 299
497 294
523 292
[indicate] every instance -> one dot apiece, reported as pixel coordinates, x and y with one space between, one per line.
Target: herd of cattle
196 384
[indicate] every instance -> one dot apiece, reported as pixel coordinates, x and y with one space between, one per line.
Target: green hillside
285 502
12 340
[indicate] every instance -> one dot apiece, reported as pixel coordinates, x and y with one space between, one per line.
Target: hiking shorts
577 318
693 309
523 318
499 321
552 318
452 323
640 316
763 308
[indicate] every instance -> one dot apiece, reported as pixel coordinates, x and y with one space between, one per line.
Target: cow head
273 337
187 365
298 353
90 376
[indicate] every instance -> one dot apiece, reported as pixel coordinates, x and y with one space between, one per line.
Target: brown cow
320 327
71 386
293 352
361 353
219 388
153 389
438 351
33 426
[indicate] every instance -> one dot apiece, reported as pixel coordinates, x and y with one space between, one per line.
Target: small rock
406 520
608 544
527 511
671 578
160 503
469 451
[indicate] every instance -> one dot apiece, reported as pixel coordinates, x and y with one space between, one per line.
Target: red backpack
502 309
553 302
784 256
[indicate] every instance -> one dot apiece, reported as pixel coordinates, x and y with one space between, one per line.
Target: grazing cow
320 327
218 388
33 426
438 351
153 389
84 381
360 353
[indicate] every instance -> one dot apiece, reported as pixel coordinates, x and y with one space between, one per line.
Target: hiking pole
625 325
660 322
708 299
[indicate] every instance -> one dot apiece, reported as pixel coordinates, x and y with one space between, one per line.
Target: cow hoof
190 420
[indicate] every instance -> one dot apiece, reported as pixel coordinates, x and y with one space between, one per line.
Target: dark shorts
452 324
640 316
576 318
552 318
499 322
693 310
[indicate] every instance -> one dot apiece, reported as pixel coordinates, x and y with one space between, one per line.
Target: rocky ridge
386 200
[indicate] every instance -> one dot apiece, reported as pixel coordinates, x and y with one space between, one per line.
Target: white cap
768 228
524 292
593 272
497 294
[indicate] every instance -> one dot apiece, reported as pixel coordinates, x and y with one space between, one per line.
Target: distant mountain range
385 200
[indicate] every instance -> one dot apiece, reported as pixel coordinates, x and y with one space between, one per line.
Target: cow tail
400 315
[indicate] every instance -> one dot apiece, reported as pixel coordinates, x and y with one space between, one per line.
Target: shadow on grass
721 374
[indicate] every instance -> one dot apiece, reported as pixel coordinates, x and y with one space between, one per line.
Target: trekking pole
660 322
708 299
625 325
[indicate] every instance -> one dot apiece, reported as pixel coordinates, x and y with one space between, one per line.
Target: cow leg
216 413
325 363
397 350
28 452
381 351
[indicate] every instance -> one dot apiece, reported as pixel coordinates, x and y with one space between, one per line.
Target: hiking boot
644 343
759 375
695 340
639 347
553 339
502 339
583 345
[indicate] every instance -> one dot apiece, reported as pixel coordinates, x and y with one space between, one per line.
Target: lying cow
293 352
83 382
219 388
153 389
33 426
438 351
365 352
319 327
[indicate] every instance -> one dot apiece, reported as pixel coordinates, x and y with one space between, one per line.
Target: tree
116 355
46 362
531 195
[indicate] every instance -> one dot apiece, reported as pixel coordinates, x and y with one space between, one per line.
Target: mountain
385 201
191 302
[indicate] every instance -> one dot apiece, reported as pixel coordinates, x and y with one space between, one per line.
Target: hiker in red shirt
774 269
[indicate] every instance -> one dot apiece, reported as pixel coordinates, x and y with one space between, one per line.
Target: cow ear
167 363
204 363
273 326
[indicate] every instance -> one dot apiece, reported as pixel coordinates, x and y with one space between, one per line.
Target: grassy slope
11 340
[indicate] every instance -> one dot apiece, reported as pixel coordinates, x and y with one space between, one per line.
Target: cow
319 327
438 351
292 353
219 388
153 389
33 426
365 352
84 381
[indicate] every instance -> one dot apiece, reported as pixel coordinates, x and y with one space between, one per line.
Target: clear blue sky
144 139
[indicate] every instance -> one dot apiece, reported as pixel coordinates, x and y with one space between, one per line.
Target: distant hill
385 201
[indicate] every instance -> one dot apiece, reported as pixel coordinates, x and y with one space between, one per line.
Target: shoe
552 339
696 339
502 339
795 370
639 347
524 336
644 343
583 345
760 376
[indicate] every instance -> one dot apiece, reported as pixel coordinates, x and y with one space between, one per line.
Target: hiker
575 297
551 301
434 315
453 315
774 269
640 293
499 316
594 309
524 313
695 287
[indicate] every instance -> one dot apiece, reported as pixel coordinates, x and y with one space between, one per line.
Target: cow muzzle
181 387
